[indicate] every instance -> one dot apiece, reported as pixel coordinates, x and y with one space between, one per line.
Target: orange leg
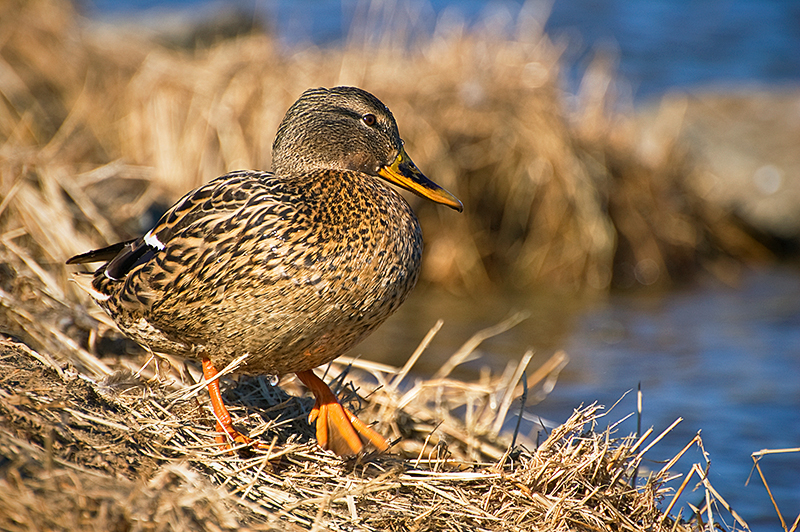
224 423
338 429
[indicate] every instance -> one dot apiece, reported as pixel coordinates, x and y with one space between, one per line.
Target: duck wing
218 195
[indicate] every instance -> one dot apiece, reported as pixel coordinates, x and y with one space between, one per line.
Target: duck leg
224 423
338 429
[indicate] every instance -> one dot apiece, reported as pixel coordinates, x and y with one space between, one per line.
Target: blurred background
630 173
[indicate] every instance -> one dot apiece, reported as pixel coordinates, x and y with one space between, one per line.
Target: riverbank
102 130
85 449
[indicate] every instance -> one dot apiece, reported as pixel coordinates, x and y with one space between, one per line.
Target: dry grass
571 198
757 456
122 453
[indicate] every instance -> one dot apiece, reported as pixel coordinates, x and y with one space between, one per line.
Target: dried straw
167 472
554 196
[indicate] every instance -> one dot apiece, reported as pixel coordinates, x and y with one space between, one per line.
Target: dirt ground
64 469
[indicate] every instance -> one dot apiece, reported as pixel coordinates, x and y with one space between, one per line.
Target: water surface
725 359
661 44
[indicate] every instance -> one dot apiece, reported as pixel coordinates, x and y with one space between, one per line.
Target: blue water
661 44
725 359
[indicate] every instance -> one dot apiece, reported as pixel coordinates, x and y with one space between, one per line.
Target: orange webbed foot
230 437
338 429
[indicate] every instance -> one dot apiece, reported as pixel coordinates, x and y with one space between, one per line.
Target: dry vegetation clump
555 197
95 436
665 228
118 452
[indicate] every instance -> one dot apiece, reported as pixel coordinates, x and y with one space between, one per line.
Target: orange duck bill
404 173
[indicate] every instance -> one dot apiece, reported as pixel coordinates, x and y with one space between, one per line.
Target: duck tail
85 283
99 255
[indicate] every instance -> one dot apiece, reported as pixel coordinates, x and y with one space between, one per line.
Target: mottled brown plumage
292 267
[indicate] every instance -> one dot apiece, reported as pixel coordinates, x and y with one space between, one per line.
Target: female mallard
291 268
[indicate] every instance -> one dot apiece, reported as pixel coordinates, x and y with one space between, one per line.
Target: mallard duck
291 267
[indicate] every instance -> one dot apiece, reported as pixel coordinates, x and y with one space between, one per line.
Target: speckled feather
291 268
270 266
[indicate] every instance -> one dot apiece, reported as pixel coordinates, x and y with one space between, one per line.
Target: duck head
346 128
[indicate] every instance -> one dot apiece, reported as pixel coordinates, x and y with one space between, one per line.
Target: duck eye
369 119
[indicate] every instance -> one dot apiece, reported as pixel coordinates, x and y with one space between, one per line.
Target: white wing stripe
152 240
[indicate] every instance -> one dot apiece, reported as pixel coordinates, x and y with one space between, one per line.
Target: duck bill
404 173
